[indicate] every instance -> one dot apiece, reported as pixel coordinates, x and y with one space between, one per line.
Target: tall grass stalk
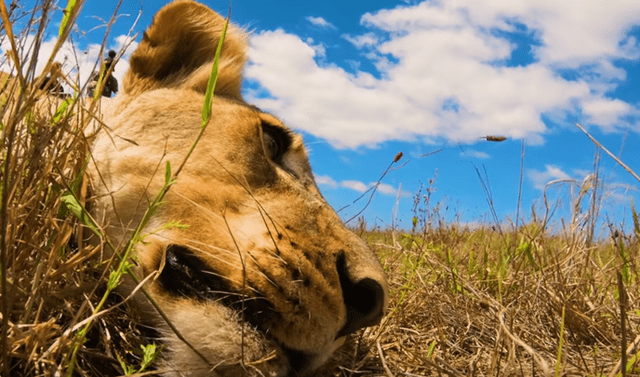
560 345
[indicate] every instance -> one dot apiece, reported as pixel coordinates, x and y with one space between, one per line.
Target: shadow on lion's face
262 277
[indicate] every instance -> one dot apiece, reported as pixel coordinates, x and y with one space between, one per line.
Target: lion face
261 277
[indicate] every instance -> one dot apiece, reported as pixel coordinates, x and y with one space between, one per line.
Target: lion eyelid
281 139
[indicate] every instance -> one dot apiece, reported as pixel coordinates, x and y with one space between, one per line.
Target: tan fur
259 228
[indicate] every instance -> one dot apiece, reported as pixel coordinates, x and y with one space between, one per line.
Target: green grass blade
636 222
62 111
68 12
213 77
167 173
73 204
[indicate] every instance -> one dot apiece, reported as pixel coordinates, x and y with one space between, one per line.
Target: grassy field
487 301
484 303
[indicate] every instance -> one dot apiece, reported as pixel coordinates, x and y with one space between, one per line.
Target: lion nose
364 299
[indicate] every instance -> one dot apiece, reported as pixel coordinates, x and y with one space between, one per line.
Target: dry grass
478 303
51 279
464 302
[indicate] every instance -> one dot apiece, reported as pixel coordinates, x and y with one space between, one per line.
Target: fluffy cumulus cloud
448 70
321 22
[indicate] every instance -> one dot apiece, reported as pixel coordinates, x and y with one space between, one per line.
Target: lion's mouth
298 361
186 275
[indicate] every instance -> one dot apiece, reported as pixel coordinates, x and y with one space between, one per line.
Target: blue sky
363 81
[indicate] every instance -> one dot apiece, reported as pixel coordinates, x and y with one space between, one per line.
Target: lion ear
178 49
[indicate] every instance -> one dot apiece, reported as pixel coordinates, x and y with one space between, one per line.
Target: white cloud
383 188
386 189
354 185
318 48
423 15
605 112
326 180
321 22
571 31
551 173
475 154
325 101
360 41
442 72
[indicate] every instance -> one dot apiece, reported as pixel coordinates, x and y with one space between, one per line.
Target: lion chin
262 278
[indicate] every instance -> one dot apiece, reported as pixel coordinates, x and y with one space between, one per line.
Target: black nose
364 300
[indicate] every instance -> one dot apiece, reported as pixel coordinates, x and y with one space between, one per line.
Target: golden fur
265 279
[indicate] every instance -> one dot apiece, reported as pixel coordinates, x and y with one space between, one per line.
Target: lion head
260 277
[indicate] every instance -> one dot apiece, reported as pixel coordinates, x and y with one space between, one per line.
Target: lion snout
365 299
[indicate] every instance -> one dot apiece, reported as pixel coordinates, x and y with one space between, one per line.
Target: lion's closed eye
276 142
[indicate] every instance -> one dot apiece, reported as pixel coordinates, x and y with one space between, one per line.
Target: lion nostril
364 300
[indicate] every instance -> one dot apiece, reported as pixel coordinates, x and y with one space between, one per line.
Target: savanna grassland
492 300
486 302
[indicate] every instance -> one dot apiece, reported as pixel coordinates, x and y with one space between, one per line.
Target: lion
257 273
